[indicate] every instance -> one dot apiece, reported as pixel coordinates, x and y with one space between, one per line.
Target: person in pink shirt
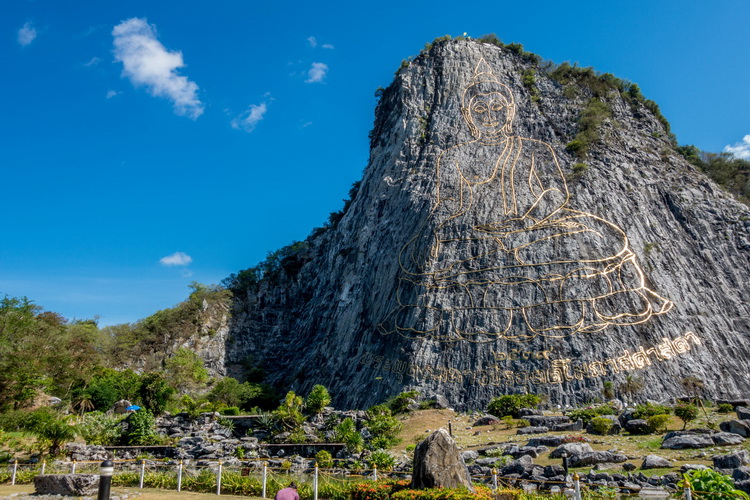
288 493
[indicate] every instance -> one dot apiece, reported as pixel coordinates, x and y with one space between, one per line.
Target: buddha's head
488 105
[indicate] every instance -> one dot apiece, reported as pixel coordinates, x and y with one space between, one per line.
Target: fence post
374 472
73 467
143 473
105 479
688 493
179 476
44 466
265 476
494 479
218 480
315 483
577 485
13 474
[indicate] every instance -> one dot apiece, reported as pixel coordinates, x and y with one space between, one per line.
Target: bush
346 432
511 404
601 425
383 426
318 399
381 459
324 459
657 423
140 430
686 413
590 412
155 392
482 493
650 409
231 411
725 408
100 429
400 404
712 485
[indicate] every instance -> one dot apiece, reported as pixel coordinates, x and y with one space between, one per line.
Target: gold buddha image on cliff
502 255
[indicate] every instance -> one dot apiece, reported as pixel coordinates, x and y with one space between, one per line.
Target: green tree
289 412
230 392
185 371
51 426
608 390
632 386
155 392
511 404
346 432
383 426
686 413
318 399
140 429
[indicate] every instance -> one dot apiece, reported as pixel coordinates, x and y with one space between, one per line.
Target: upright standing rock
438 464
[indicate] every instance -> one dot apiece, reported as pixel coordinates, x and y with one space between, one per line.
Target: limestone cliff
512 232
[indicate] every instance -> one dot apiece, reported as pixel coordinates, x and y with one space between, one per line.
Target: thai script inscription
560 370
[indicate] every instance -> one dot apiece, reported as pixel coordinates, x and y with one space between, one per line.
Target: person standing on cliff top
288 493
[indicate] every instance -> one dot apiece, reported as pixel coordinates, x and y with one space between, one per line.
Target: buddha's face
489 113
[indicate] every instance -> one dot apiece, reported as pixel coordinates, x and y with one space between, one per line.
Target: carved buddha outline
502 254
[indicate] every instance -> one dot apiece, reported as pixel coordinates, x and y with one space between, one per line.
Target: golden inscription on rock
560 370
502 254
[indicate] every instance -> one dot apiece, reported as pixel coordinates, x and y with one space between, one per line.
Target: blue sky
144 145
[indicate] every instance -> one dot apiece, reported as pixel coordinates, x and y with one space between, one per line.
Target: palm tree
631 386
694 387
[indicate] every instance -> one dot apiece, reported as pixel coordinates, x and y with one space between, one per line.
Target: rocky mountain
518 228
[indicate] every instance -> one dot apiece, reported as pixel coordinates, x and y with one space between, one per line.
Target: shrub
289 412
590 412
650 409
511 404
381 490
686 413
601 425
657 423
724 408
324 459
383 426
400 404
231 411
318 399
140 429
712 485
346 432
155 392
100 429
381 459
482 493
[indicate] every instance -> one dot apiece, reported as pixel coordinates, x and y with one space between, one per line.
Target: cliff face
480 257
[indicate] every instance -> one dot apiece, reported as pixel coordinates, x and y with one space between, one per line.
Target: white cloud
740 149
317 72
93 61
26 34
312 41
250 117
111 94
176 259
327 46
146 62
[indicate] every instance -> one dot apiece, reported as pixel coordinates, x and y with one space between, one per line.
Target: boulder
486 420
628 467
469 455
727 439
637 426
741 427
520 466
546 421
687 441
743 412
67 484
528 412
532 430
571 449
439 401
438 464
732 460
655 462
119 407
688 467
596 457
569 427
546 441
741 473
